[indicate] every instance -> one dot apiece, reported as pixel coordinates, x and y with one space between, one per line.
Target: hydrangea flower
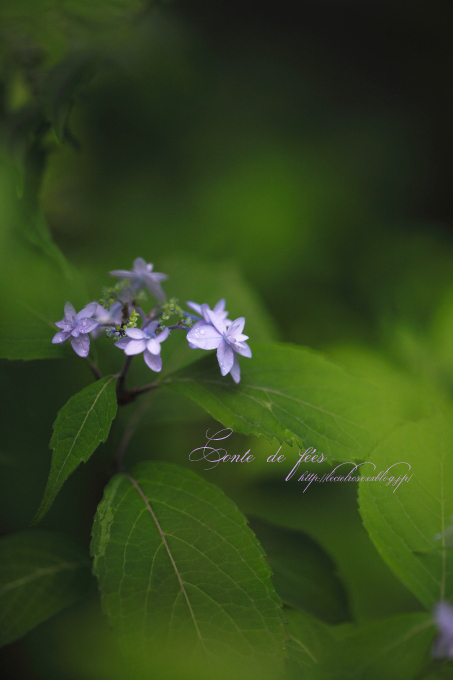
202 311
145 340
107 316
143 275
227 340
443 644
77 327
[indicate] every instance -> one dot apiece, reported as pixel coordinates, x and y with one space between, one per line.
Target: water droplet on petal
201 332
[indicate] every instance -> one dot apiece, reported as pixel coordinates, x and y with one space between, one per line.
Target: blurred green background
294 159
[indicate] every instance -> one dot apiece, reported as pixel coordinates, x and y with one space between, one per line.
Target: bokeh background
295 159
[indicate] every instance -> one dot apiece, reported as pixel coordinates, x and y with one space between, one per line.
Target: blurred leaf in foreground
303 574
407 523
180 571
292 394
41 573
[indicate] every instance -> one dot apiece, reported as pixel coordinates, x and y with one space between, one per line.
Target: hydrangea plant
173 556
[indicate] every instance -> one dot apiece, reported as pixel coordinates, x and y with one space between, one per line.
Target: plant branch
127 396
120 385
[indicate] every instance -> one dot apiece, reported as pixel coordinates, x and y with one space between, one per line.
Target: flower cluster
118 312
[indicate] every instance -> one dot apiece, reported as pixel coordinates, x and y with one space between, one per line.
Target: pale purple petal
163 335
204 337
216 321
443 645
241 338
236 370
243 349
154 286
196 308
225 356
69 311
443 616
87 311
151 327
140 266
204 312
81 345
135 333
135 347
87 325
64 325
220 307
61 336
153 361
153 346
123 343
236 327
122 274
191 345
159 276
199 324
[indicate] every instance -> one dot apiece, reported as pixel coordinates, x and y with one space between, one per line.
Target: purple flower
77 327
443 644
202 310
228 341
145 340
107 316
143 275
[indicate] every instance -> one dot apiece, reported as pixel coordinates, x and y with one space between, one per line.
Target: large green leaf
404 522
310 643
303 574
30 339
33 291
81 425
396 648
41 573
179 569
292 394
328 513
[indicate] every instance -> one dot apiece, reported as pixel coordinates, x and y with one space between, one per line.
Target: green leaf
412 398
310 642
292 394
303 574
41 573
30 339
33 290
403 522
396 648
179 569
81 425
